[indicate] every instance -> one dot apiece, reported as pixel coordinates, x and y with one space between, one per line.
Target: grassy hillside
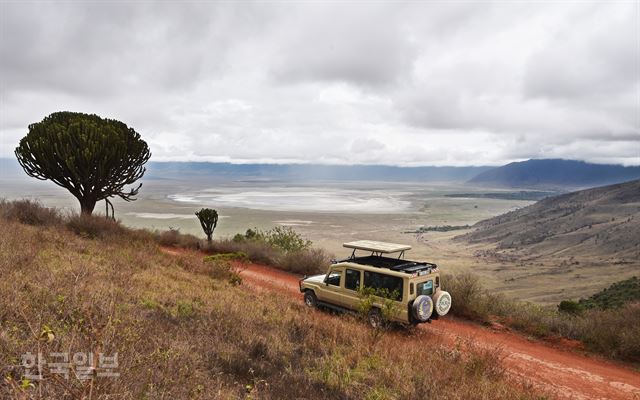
182 330
603 223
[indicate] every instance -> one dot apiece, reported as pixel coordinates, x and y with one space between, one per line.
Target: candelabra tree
92 157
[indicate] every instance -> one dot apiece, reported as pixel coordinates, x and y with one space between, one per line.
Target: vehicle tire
442 302
375 318
310 299
422 308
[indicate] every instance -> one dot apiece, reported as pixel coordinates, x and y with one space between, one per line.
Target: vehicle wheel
310 299
422 308
442 302
375 318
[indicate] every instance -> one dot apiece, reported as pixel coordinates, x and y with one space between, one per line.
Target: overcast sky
417 83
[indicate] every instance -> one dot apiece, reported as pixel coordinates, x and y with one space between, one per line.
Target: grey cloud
349 43
597 60
417 83
108 48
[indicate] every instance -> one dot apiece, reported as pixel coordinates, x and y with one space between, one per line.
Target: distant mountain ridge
555 173
543 174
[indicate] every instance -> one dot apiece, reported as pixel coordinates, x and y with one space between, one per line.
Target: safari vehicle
413 286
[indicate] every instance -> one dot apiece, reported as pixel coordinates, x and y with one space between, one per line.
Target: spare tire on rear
442 301
422 308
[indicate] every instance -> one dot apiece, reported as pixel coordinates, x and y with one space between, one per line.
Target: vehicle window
411 288
425 288
352 279
334 278
392 285
437 281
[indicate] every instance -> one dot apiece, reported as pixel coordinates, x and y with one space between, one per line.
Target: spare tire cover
422 308
442 302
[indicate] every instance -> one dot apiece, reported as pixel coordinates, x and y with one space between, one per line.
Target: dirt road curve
567 373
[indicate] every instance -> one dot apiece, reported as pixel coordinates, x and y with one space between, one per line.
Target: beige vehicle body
404 281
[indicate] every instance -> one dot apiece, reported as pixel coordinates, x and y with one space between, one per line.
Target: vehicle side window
334 278
352 279
425 288
392 285
437 281
411 288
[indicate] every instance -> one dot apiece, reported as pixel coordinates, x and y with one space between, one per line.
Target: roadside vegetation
280 247
611 332
184 327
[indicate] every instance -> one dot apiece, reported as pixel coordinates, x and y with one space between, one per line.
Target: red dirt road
563 372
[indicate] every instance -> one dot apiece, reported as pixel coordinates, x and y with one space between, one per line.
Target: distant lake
301 199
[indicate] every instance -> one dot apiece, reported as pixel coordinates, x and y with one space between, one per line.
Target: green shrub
236 256
281 247
249 235
286 239
283 238
222 270
381 298
184 309
570 307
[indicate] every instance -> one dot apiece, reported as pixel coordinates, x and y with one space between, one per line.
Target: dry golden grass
614 333
182 331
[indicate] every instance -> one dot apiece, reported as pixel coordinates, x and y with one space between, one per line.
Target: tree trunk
87 206
209 237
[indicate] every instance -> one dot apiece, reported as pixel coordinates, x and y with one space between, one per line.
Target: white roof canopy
378 247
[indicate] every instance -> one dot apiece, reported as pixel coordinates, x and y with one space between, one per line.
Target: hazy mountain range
548 173
555 173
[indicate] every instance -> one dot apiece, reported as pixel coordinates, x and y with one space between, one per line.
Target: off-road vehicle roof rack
376 258
377 248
